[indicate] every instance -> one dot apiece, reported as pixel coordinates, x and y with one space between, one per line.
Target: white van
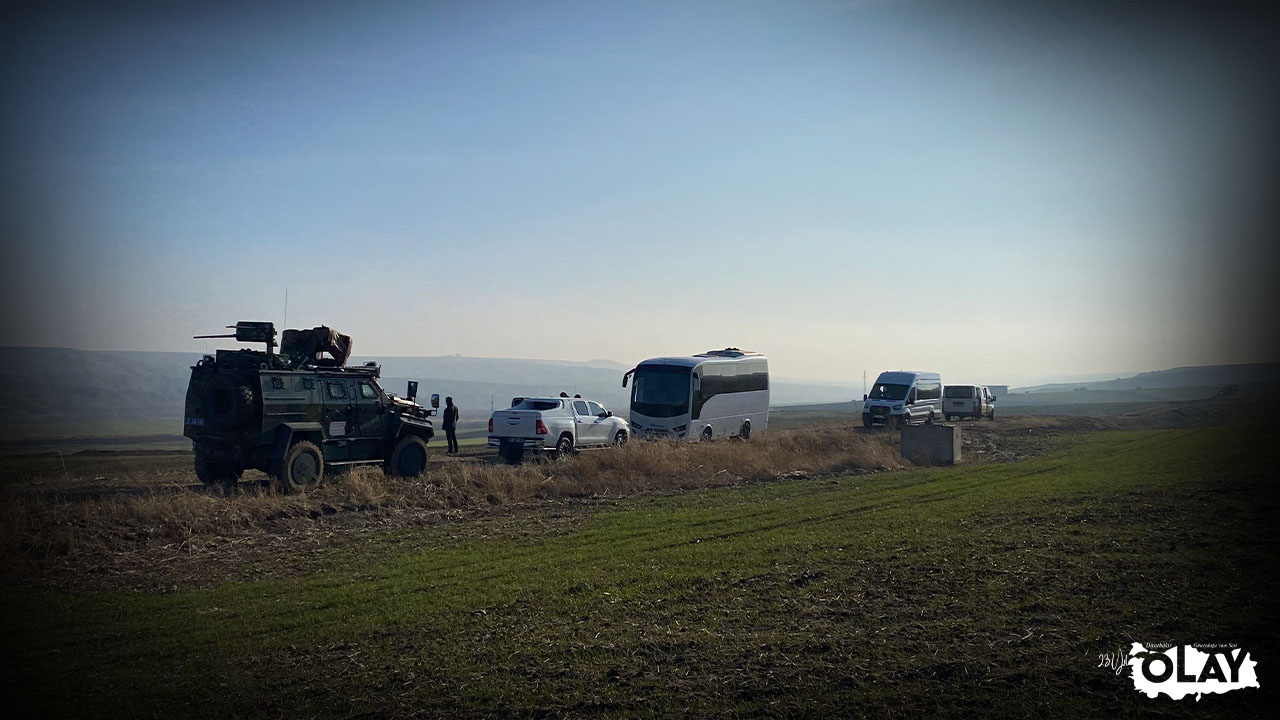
974 401
903 397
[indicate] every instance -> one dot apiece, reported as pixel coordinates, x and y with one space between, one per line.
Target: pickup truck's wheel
706 434
409 459
564 447
745 432
302 468
620 437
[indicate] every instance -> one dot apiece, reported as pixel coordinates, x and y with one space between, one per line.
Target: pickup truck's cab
975 401
558 426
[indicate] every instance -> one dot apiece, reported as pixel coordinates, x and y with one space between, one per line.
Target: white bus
719 393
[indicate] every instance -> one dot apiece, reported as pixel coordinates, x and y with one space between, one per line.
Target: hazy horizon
995 192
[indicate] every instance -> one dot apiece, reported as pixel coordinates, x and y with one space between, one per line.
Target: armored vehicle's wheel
215 473
564 447
620 437
302 469
409 459
228 403
745 432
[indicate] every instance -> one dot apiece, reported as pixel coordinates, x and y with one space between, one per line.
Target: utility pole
864 383
285 324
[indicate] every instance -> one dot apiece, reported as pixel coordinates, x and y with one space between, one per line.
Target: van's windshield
889 391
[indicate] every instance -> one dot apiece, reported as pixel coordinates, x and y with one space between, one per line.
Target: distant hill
57 386
1182 377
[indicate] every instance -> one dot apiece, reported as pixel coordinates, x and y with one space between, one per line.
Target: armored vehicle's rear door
339 413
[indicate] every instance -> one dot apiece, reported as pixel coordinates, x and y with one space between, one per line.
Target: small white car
974 401
554 425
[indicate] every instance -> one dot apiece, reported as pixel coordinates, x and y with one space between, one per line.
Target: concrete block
931 444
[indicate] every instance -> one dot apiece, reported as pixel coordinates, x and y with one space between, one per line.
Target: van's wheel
745 432
929 418
706 434
302 468
409 459
620 437
564 447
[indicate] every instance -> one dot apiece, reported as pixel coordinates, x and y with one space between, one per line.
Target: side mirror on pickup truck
608 413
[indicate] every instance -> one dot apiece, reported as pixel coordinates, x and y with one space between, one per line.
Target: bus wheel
745 433
706 433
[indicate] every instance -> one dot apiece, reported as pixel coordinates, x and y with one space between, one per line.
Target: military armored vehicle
292 414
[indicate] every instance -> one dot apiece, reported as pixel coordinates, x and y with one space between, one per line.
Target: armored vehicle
293 413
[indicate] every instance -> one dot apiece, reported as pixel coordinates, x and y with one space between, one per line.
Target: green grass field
975 590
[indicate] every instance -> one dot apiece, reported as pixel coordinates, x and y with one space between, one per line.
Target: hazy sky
993 192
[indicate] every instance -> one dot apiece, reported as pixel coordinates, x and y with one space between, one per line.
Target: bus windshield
660 391
889 391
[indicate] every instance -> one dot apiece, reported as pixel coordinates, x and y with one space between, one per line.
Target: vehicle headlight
898 406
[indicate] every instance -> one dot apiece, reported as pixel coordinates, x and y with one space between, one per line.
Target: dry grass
37 530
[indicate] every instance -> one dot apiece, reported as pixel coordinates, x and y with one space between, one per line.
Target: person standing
450 425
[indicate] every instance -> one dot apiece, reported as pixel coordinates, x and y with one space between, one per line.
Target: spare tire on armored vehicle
295 414
228 402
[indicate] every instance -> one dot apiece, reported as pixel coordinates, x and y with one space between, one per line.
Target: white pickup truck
557 426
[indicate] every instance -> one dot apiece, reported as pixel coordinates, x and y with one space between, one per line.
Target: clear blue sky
996 193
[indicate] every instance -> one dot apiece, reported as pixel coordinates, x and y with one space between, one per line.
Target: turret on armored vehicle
291 414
